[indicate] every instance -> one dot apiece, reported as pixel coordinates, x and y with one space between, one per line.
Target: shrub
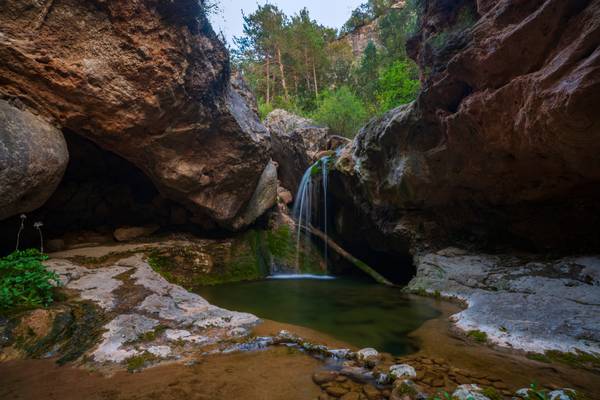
24 281
398 84
342 111
478 336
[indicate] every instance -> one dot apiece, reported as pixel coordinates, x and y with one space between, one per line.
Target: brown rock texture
505 135
33 159
145 79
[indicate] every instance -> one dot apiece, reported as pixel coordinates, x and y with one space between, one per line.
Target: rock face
523 302
147 80
295 143
33 158
187 319
505 136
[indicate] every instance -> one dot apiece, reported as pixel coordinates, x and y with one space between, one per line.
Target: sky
332 13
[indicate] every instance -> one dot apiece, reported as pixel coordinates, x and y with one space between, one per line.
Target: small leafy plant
24 281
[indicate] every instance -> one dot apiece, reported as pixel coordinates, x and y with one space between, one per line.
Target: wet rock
125 234
351 396
402 371
372 392
562 394
33 159
469 392
284 195
336 391
321 377
366 354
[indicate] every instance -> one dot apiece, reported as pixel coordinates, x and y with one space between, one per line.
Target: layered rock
296 143
147 80
504 138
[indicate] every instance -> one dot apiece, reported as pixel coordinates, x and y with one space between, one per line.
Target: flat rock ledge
150 317
519 302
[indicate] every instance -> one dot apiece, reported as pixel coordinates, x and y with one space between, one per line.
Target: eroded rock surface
147 313
148 80
33 159
295 143
523 303
504 137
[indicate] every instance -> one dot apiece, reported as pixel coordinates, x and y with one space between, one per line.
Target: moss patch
491 393
138 362
75 330
578 359
478 336
247 257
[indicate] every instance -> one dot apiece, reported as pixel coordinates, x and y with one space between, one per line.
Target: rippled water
357 312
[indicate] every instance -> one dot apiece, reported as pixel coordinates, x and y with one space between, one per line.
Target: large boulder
33 159
148 80
295 143
505 136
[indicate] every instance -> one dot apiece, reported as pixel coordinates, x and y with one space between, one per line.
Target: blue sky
331 13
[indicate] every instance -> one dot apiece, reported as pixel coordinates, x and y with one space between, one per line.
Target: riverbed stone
402 371
336 391
562 394
469 392
321 377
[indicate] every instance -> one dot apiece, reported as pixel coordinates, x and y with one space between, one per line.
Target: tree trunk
315 78
283 83
355 261
268 99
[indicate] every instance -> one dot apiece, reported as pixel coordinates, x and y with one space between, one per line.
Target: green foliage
294 63
398 84
342 111
478 336
491 393
264 109
24 281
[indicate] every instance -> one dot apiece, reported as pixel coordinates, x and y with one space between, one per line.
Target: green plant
535 393
24 281
138 362
477 336
342 111
398 84
491 393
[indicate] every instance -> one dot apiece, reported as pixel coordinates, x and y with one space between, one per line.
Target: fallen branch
349 257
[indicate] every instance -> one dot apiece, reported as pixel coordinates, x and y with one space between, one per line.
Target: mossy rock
246 257
76 327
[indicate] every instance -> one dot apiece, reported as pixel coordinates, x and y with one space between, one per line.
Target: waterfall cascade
309 193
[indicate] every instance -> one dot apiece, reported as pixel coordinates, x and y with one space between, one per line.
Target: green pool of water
357 312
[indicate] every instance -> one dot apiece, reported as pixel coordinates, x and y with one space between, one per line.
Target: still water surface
354 311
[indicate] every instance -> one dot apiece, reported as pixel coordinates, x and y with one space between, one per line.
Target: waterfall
303 208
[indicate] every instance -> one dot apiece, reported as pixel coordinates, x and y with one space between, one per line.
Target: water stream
307 198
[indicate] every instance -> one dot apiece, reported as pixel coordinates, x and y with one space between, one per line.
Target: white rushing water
303 205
